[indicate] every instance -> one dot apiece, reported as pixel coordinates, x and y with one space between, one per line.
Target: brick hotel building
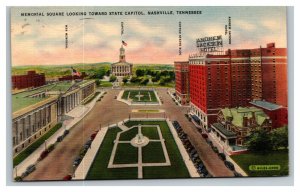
234 79
182 81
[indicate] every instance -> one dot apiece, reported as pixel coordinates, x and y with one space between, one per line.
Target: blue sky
150 38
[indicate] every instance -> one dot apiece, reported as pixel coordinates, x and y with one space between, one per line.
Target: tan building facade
33 120
30 124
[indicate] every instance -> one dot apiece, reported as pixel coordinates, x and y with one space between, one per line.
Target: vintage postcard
104 93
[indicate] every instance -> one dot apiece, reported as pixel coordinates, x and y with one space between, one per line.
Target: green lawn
150 132
177 168
31 148
274 158
153 153
99 170
125 154
105 84
148 95
128 135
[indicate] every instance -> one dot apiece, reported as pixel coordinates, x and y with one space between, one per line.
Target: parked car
30 169
204 135
200 166
222 156
93 136
195 157
77 161
88 144
229 165
59 139
66 132
24 174
236 174
44 154
67 177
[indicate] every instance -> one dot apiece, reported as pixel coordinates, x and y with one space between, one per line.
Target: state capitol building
121 68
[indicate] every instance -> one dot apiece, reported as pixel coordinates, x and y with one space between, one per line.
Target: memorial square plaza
143 149
132 141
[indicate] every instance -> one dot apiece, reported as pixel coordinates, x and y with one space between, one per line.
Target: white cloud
272 24
242 24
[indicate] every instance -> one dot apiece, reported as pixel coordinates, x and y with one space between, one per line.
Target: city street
109 111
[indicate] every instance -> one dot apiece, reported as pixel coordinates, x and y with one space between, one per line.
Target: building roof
237 115
266 105
121 64
23 99
220 127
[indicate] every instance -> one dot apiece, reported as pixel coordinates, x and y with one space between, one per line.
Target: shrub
50 148
112 78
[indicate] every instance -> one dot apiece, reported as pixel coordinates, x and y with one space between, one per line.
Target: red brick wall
32 79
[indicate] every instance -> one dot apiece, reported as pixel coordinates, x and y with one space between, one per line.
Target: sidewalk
76 115
185 156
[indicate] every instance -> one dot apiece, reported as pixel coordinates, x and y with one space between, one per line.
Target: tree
155 79
164 73
279 138
98 82
107 73
259 141
140 72
144 81
125 79
162 81
112 78
148 72
172 75
100 73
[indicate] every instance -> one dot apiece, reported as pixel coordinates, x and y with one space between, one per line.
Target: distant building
277 113
31 79
234 79
72 77
234 125
36 111
121 68
182 81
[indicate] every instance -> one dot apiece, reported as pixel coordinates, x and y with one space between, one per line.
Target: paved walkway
76 115
83 168
140 163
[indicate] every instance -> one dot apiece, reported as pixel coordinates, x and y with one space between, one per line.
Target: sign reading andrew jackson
209 44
